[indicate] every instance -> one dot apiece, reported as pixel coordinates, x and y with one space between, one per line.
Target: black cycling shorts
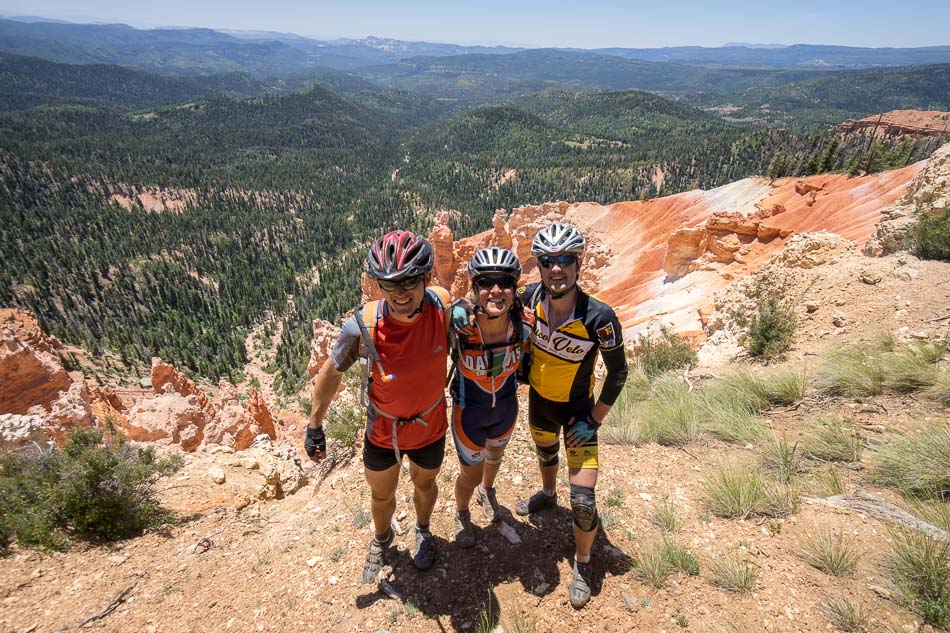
429 457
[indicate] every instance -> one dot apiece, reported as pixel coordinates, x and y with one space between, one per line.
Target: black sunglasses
389 285
487 283
563 260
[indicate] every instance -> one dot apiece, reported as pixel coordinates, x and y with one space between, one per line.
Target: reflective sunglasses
563 260
409 283
487 283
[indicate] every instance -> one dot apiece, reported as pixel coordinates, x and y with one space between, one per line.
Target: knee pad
494 454
584 506
548 455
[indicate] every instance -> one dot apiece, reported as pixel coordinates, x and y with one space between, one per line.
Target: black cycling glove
316 441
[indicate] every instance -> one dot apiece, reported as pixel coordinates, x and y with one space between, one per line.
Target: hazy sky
535 23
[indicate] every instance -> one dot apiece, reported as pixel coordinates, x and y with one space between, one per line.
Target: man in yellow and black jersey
570 328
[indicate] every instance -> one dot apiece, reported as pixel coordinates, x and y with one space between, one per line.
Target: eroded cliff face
898 123
661 261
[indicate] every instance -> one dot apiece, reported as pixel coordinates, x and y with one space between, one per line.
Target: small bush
786 387
668 416
659 354
930 235
96 485
782 459
733 572
739 390
845 614
830 552
917 463
344 424
771 329
919 568
851 371
682 558
830 440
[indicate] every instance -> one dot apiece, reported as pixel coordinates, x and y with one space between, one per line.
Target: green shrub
830 552
918 463
919 568
829 439
930 235
666 516
733 425
621 426
738 490
771 329
658 559
941 389
96 485
668 417
659 354
344 423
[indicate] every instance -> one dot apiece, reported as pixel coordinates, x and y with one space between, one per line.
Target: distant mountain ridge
202 51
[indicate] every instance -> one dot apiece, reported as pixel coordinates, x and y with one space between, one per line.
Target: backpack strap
368 321
444 301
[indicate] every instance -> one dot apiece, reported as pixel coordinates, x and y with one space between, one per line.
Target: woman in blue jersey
485 386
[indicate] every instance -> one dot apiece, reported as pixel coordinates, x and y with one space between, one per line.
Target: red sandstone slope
901 123
662 260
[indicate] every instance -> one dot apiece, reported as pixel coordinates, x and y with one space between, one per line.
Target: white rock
217 474
313 561
646 496
509 533
332 580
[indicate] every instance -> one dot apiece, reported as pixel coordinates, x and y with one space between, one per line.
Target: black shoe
579 589
489 502
375 556
464 532
424 553
538 501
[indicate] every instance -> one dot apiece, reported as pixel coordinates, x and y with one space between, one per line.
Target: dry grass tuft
738 490
669 416
918 463
919 568
845 614
852 371
830 552
733 572
666 516
782 459
828 483
786 387
831 440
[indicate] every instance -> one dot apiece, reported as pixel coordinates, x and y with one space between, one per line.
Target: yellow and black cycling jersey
563 359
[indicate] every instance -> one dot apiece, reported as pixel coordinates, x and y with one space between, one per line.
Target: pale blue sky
536 23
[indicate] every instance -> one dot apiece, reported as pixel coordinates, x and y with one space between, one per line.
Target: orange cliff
661 261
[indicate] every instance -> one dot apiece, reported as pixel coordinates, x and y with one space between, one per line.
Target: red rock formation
33 380
165 378
168 418
663 259
324 336
900 123
258 410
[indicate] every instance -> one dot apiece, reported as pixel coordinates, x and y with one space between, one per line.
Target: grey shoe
375 558
424 553
538 501
579 589
464 532
489 502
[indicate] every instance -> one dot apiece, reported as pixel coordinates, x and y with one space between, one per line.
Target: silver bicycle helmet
399 254
558 238
494 260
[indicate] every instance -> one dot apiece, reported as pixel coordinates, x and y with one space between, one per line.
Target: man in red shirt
404 338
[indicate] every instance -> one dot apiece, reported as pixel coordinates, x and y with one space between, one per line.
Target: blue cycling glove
460 316
580 433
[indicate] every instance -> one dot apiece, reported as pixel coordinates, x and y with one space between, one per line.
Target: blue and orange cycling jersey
489 370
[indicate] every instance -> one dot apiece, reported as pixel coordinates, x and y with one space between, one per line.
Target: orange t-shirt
416 353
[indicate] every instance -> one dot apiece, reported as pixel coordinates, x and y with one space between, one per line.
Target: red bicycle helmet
399 254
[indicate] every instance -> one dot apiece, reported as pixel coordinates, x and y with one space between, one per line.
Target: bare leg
382 486
492 465
465 483
425 491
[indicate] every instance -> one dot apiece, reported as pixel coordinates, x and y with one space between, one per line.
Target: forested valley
267 199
